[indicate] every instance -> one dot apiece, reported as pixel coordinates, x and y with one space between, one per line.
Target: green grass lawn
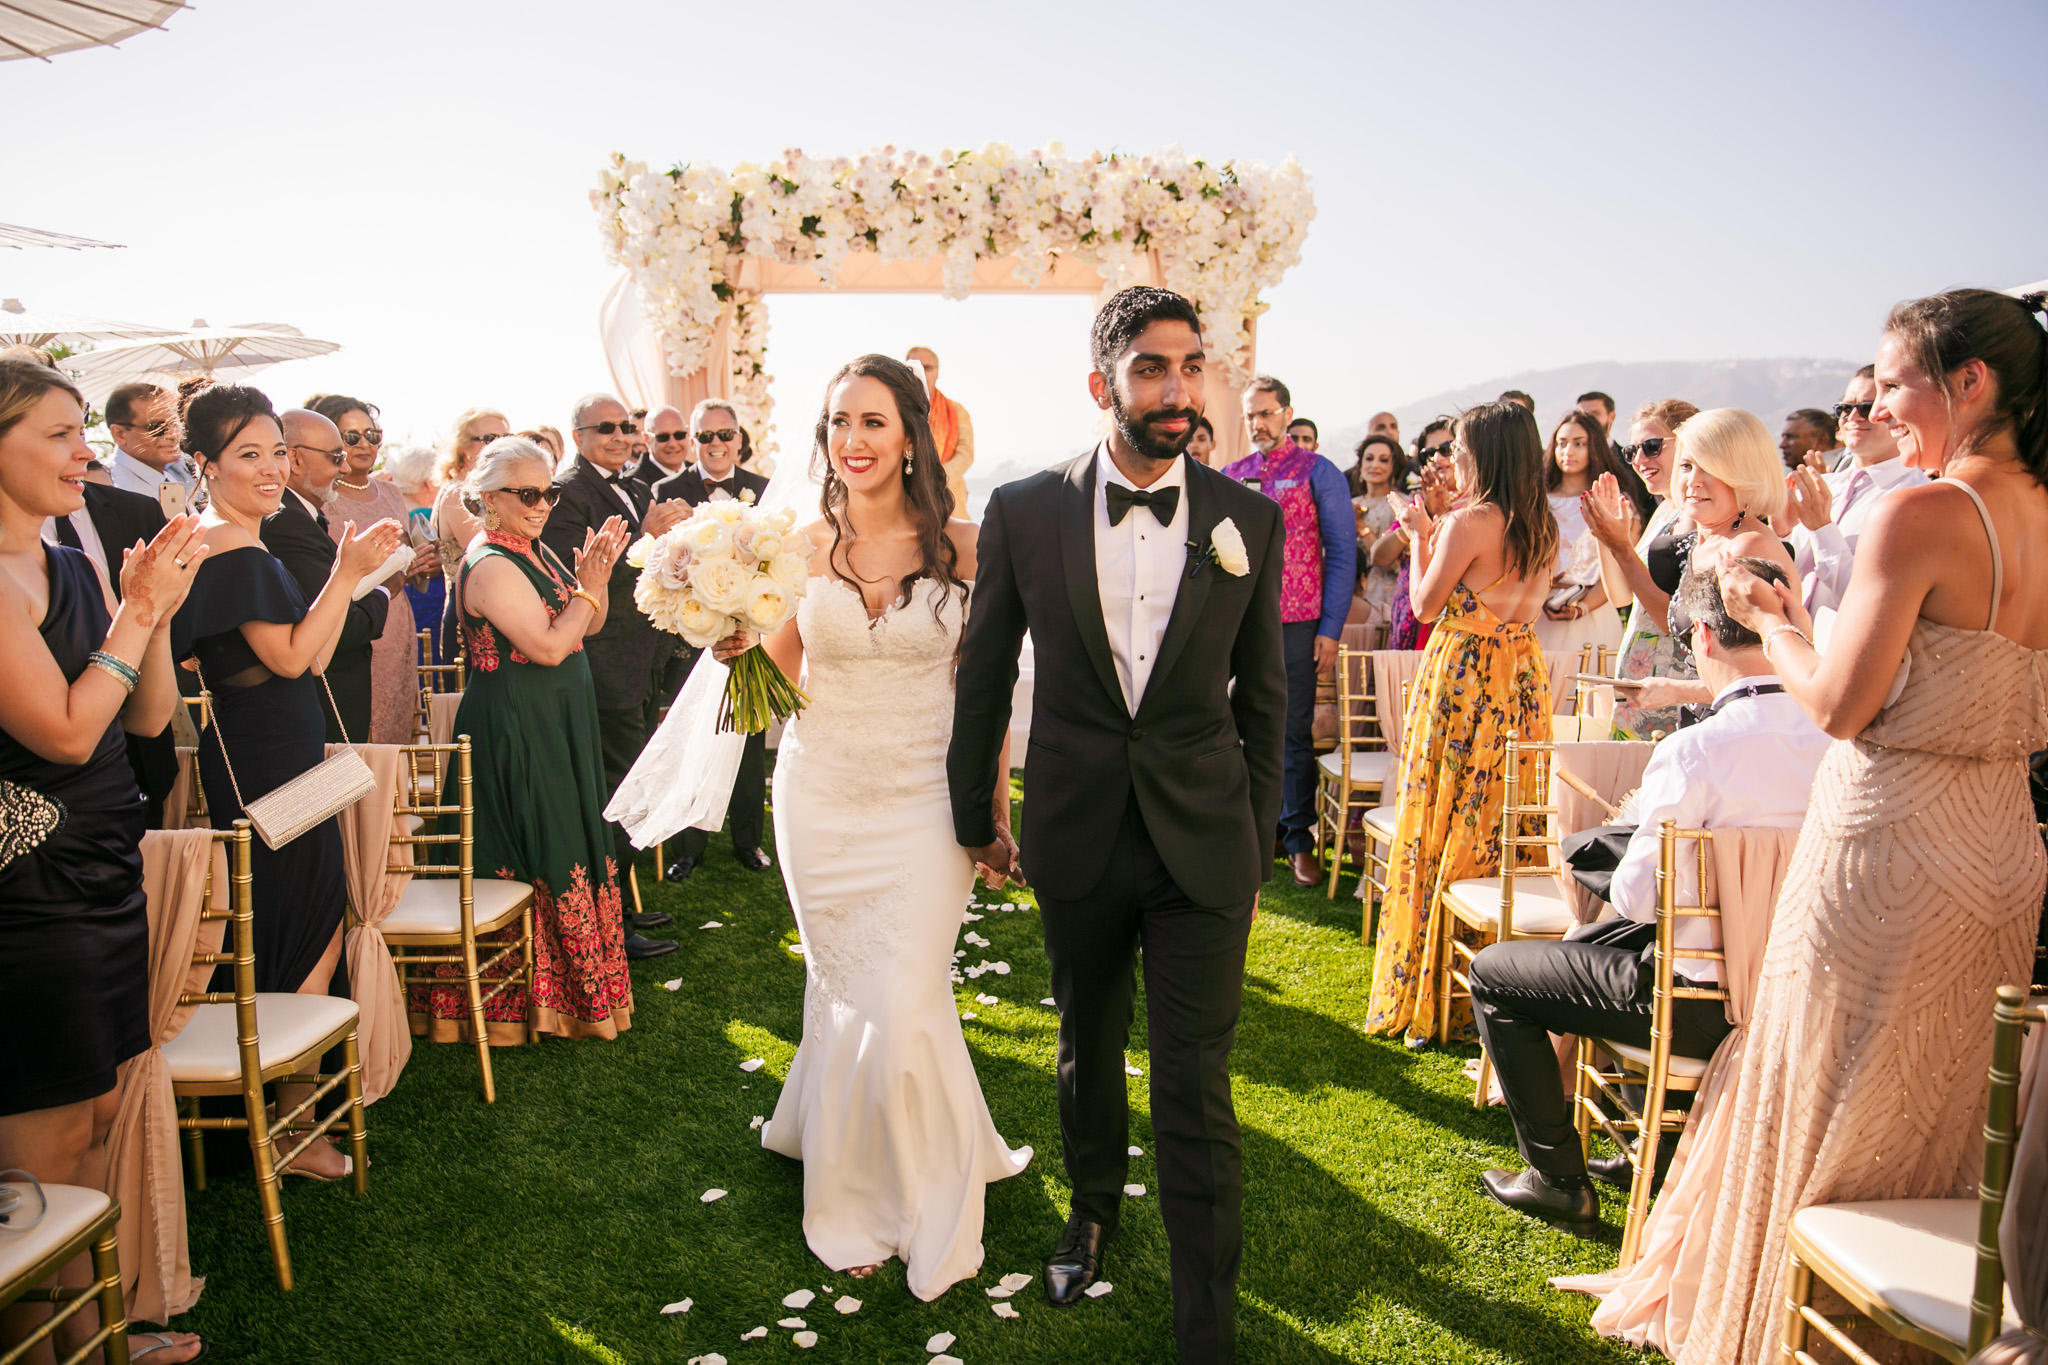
553 1225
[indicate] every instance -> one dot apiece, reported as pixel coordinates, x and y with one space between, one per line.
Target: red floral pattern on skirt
579 950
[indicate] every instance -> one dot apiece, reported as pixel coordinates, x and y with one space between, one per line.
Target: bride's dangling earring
906 464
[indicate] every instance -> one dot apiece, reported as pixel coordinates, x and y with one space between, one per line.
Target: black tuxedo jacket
649 473
691 486
299 541
1203 753
624 655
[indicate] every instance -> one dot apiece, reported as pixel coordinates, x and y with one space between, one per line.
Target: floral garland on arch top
1221 234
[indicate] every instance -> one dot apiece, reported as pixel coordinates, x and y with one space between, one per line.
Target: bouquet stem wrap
758 694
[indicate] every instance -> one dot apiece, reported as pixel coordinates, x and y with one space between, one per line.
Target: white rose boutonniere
1226 547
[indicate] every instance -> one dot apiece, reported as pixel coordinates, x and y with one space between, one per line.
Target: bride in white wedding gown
882 1104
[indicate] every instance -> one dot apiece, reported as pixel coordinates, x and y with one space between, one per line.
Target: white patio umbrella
20 327
19 237
43 28
230 353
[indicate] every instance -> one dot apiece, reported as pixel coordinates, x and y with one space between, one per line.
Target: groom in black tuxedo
1150 585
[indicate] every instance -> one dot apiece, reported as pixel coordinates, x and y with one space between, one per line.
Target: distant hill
1768 388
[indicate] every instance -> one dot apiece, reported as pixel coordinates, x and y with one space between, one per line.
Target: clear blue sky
1499 186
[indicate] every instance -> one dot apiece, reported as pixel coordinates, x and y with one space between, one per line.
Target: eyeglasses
534 496
662 438
155 429
1858 410
1431 452
337 458
705 438
483 439
370 434
629 427
1650 447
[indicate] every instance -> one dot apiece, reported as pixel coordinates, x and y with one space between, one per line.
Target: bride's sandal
861 1272
164 1343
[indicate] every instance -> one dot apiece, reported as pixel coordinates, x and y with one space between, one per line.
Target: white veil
683 777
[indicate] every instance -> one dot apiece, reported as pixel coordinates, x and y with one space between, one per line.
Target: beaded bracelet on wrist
118 669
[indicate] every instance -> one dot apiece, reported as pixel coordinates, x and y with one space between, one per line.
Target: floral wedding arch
701 246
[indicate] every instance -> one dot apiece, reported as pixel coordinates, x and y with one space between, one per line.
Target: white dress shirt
1138 568
1749 765
137 477
88 539
1826 557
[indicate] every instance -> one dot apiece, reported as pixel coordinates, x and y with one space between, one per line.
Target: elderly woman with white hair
410 468
538 777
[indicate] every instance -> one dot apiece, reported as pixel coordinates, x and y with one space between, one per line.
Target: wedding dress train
882 1104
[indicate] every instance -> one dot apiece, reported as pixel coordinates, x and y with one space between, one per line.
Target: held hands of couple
155 577
999 863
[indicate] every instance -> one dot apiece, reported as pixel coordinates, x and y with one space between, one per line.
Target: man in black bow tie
715 432
1150 585
628 655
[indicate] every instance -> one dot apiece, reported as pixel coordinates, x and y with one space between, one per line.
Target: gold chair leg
1485 1076
1440 968
1582 1120
358 1132
1798 1293
195 1143
532 977
106 1271
472 984
1649 1137
267 1182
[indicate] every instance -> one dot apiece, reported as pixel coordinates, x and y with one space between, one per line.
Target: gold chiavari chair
447 907
1351 776
1638 1130
74 1219
1376 830
237 1042
1926 1271
1522 902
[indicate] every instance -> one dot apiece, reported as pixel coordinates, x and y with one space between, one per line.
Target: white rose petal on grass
805 1339
713 1359
976 939
1001 969
1015 1281
986 999
797 948
798 1323
674 985
755 1335
945 1360
711 1196
968 1014
798 1299
1137 1151
711 924
1098 1289
1135 1191
1130 1070
752 1064
939 1343
758 1121
1049 1002
998 1291
847 1303
679 1306
969 918
1004 1310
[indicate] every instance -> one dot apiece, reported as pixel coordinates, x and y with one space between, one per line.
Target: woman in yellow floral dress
1482 675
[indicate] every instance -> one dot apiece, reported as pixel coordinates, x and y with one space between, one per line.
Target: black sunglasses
1861 410
705 438
533 496
1431 452
1651 446
370 434
607 428
662 438
337 458
485 439
153 428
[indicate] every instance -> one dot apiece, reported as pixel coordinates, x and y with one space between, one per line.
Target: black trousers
1297 833
1194 976
1525 991
623 734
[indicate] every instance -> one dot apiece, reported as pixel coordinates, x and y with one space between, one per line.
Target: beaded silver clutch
27 818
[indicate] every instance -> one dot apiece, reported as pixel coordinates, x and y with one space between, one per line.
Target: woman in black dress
74 928
259 647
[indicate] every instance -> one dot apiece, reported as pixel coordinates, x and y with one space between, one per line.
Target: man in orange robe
951 429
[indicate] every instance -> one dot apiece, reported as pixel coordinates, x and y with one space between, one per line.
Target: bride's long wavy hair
924 486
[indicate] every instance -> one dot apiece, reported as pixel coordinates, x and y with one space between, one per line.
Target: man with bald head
1384 424
952 431
668 448
296 535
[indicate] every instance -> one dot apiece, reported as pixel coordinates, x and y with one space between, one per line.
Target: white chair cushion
1368 766
1690 1067
287 1026
433 905
1380 821
1918 1257
1539 907
72 1210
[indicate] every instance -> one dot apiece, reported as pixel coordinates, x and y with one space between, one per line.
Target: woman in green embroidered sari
537 765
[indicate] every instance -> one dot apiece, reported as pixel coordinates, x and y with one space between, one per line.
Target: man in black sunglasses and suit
668 448
715 432
627 656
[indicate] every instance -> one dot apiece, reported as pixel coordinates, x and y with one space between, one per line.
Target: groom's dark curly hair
1129 312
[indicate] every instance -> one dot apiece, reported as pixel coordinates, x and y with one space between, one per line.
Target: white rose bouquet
729 567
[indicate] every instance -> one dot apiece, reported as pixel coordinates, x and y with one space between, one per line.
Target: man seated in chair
1749 764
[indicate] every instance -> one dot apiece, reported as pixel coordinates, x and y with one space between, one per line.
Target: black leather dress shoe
753 859
1620 1172
1574 1210
638 946
652 919
1075 1263
679 870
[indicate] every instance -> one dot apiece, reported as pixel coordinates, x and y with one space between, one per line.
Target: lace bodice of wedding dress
882 1104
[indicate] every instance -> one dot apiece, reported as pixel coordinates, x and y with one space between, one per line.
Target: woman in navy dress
74 927
259 647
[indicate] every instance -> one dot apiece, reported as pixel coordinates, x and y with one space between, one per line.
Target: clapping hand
1609 516
362 553
1439 489
663 516
1810 498
601 549
155 577
1410 515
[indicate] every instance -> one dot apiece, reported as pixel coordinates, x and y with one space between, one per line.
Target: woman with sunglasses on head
394 675
1431 478
1646 558
537 757
454 527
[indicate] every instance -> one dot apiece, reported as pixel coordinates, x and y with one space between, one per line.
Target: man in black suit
715 431
111 521
296 535
668 448
628 655
1150 585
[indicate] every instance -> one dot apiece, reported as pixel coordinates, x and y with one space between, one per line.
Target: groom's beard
1141 433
